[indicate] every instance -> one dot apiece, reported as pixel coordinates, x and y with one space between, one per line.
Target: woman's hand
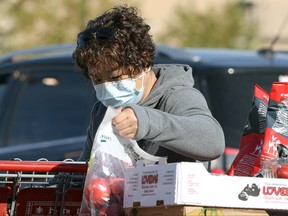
126 123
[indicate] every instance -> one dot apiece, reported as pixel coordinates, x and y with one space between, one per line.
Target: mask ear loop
143 74
142 84
141 77
147 71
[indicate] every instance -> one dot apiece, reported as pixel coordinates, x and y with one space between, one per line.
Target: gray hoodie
173 121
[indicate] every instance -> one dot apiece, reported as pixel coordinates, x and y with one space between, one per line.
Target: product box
194 211
191 184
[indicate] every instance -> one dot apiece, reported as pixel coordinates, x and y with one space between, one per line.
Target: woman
158 105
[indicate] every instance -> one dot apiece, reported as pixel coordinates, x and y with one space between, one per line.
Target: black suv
45 102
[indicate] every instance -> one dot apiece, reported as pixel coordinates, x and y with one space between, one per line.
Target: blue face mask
118 93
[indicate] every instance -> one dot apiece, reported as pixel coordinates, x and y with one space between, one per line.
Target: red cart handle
43 166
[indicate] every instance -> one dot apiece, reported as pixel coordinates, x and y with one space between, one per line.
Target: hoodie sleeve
183 124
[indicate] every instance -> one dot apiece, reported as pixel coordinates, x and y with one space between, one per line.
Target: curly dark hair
116 40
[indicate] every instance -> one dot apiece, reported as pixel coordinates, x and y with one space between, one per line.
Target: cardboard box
194 211
169 211
234 212
191 184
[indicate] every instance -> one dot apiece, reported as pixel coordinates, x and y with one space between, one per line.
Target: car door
50 103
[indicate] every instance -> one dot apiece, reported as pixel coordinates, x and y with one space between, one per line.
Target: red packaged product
246 163
258 145
276 132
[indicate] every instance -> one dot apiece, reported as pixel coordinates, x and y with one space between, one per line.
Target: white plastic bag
110 156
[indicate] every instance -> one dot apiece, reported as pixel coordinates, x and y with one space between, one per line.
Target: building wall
270 13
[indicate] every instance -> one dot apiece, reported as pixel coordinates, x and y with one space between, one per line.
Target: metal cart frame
41 188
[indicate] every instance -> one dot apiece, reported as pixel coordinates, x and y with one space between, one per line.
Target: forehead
107 76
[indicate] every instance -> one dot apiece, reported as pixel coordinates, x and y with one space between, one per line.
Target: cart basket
35 188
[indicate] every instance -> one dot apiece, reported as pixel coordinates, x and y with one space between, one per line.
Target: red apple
97 192
117 188
282 172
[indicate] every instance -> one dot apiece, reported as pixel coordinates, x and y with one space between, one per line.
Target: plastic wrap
110 156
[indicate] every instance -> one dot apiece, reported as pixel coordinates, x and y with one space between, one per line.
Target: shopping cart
41 188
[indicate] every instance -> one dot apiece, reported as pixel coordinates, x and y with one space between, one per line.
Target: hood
169 76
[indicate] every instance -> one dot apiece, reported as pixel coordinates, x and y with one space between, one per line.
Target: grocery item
110 157
265 133
247 161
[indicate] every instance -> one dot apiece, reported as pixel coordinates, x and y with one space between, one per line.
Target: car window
3 87
53 105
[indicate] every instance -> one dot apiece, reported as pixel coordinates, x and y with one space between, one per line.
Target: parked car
45 102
